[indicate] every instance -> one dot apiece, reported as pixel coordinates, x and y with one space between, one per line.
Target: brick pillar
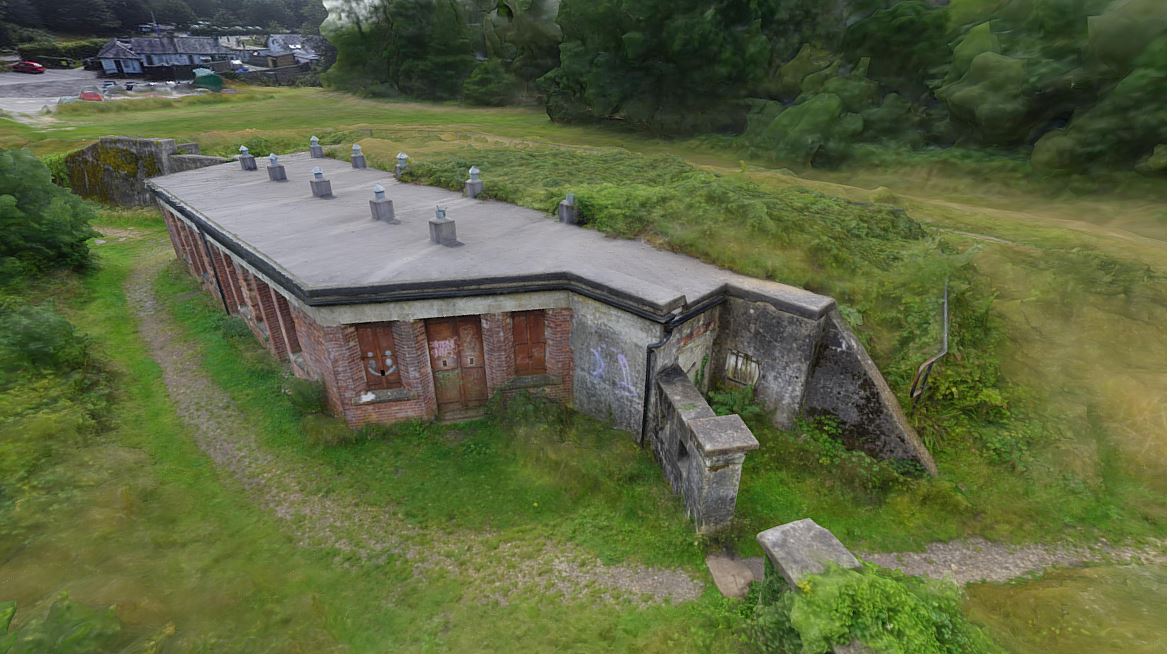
217 261
169 220
558 351
498 349
276 342
421 363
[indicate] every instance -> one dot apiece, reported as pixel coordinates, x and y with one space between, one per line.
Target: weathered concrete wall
846 383
609 351
780 343
701 454
114 170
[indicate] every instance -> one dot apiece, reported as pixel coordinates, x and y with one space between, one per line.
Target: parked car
27 67
90 94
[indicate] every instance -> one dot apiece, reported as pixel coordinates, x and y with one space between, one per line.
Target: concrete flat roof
331 251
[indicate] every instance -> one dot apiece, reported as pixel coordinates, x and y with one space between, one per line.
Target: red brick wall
498 349
558 331
331 353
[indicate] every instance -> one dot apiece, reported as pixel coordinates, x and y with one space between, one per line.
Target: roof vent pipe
567 211
314 147
401 166
474 185
321 187
276 169
442 229
380 207
358 157
247 161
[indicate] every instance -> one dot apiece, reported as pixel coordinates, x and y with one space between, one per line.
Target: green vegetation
1050 425
1075 86
883 611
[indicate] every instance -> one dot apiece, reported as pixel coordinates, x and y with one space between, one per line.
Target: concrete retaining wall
609 347
773 347
846 383
114 170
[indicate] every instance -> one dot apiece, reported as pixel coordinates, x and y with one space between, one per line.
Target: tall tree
671 66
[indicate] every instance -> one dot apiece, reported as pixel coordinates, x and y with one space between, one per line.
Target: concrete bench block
802 548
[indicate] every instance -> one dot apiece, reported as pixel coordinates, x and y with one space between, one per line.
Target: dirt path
368 533
375 534
975 559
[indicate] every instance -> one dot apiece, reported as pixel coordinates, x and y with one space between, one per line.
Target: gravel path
373 534
497 570
975 559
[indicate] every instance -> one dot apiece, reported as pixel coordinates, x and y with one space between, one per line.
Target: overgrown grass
148 525
532 468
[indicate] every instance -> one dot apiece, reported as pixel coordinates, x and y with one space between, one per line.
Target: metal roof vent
276 169
314 147
442 229
474 185
246 161
401 166
567 210
321 187
380 207
358 157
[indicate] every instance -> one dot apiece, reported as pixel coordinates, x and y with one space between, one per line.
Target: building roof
116 49
330 251
135 47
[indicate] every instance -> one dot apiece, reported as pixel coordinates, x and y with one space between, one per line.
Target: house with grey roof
137 55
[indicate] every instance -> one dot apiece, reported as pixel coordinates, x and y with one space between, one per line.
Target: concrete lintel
725 435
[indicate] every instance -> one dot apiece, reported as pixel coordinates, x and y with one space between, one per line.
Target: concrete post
442 229
276 169
382 208
246 161
314 147
321 187
357 159
474 185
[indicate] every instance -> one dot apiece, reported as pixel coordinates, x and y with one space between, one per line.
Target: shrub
44 226
889 613
67 627
37 338
490 83
308 396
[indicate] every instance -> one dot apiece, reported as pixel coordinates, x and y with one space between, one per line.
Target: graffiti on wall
612 367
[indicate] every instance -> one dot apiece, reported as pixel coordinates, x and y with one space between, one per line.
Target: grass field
1074 292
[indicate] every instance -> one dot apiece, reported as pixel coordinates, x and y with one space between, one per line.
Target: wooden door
456 357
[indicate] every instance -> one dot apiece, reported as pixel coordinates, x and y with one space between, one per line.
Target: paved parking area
22 93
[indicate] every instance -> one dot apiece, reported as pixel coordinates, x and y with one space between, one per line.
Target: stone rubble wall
115 169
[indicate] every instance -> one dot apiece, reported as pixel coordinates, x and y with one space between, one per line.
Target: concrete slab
337 253
802 548
732 576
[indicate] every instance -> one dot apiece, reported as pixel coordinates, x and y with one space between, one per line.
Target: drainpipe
652 349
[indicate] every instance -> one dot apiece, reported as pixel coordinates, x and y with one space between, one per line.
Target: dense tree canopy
84 17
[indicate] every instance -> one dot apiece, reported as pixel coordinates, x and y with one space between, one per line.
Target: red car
27 67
